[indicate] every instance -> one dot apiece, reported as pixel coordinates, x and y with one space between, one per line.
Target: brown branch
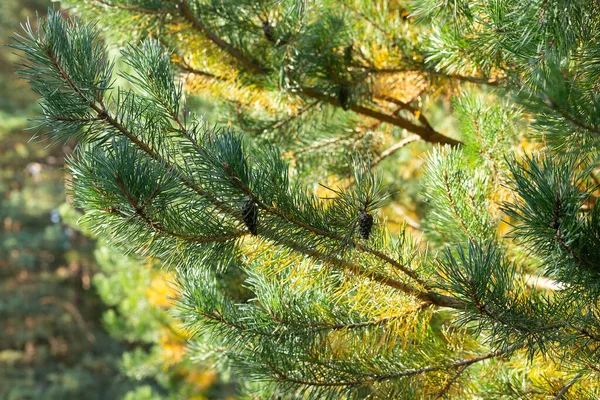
429 297
427 134
215 316
165 231
559 237
470 79
322 326
424 70
103 114
584 332
406 106
140 211
392 71
574 120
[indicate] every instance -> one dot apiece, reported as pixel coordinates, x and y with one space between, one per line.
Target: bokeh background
78 320
52 343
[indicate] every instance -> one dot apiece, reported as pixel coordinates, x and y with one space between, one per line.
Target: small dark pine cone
268 31
348 55
344 97
365 223
250 216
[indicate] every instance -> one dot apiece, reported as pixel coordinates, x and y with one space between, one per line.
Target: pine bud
348 55
250 216
268 31
365 223
344 97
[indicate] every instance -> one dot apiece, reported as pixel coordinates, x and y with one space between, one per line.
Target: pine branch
154 225
371 379
429 135
326 326
573 120
438 300
469 79
216 317
197 23
102 110
425 71
319 232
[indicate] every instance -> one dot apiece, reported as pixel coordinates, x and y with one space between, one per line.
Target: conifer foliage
333 303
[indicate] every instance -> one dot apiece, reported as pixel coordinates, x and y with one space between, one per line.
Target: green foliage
546 51
307 306
547 215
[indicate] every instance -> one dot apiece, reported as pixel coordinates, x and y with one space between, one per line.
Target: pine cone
365 223
348 55
344 97
268 31
250 216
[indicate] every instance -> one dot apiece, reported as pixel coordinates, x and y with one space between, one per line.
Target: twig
391 150
283 122
568 386
409 221
450 382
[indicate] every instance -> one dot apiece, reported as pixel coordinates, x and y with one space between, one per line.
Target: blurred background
78 320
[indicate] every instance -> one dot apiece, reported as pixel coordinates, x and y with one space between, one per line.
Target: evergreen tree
309 293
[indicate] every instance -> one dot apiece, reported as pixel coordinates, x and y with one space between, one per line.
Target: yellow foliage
404 86
173 350
161 291
202 379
